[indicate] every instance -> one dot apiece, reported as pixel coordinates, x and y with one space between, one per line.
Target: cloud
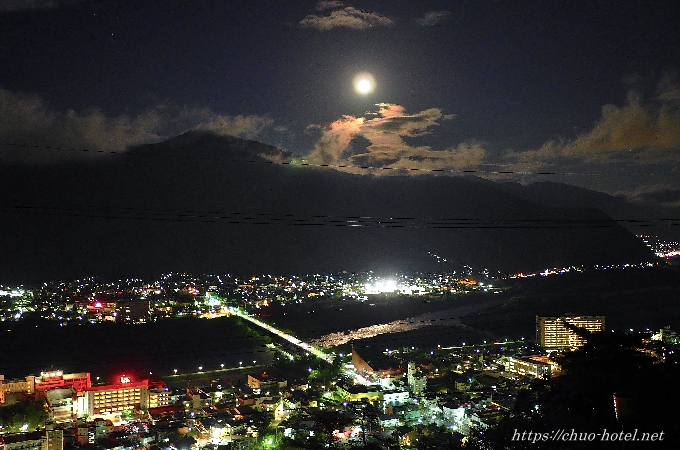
668 89
632 151
28 121
328 4
638 132
660 194
343 16
24 5
433 18
381 143
249 126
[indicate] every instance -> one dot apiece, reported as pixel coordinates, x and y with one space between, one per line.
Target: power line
351 221
300 161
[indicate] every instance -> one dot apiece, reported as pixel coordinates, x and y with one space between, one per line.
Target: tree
32 413
368 417
332 421
582 398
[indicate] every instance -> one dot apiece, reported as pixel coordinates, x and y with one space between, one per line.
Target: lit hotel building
557 332
114 398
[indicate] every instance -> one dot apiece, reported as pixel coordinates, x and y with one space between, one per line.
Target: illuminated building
60 405
159 398
537 367
18 386
666 335
378 366
356 393
89 432
53 440
558 332
133 312
395 398
58 379
114 398
21 441
417 381
102 309
264 381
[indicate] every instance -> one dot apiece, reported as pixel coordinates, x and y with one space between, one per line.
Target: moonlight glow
364 83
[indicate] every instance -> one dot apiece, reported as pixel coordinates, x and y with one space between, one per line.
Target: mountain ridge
206 203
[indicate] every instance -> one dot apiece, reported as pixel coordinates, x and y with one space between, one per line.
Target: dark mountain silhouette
639 218
205 203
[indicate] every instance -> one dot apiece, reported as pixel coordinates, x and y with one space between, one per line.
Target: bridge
290 338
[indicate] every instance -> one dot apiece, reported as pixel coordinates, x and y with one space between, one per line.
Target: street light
200 368
175 371
222 366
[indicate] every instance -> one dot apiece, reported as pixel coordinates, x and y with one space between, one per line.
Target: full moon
364 83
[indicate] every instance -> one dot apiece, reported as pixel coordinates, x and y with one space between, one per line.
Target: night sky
587 91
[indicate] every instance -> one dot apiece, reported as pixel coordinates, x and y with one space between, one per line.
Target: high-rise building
559 332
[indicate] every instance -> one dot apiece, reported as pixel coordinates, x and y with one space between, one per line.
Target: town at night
339 224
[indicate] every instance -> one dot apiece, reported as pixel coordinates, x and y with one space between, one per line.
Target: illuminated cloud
663 194
382 143
343 16
205 119
631 151
637 132
23 5
28 121
335 139
668 89
433 18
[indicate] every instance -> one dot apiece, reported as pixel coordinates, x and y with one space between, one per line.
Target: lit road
292 339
